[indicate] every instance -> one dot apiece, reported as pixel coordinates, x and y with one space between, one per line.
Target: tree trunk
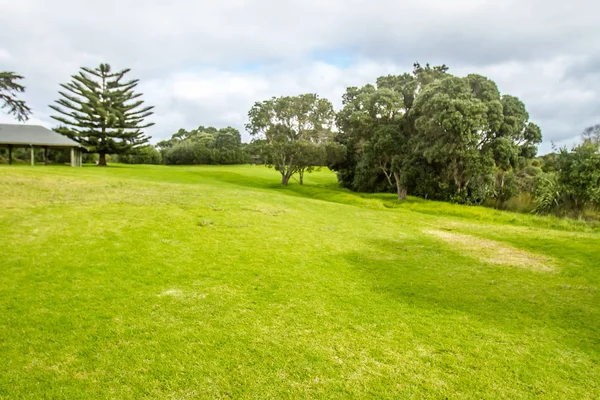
301 176
102 160
401 190
501 192
285 177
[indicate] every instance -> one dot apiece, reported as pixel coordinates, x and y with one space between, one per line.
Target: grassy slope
184 282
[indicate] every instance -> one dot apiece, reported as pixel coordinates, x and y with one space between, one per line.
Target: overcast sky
206 63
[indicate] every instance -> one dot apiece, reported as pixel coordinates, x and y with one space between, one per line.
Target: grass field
215 282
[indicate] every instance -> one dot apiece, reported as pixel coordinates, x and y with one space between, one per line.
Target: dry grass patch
493 252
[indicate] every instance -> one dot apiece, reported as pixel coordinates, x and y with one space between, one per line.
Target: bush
522 203
141 155
547 194
532 171
180 154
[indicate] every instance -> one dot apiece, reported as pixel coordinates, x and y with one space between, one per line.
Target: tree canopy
204 145
438 135
296 130
9 100
100 109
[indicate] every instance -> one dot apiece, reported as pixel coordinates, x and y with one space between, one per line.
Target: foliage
547 194
204 145
579 174
141 155
9 91
296 130
101 111
439 136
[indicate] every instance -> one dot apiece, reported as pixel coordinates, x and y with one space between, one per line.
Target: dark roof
33 135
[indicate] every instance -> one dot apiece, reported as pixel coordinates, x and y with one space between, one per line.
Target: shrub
547 194
141 155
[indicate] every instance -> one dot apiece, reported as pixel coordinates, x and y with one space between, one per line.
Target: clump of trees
433 135
570 182
204 145
293 133
147 154
101 110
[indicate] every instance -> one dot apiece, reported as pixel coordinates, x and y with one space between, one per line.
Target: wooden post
32 157
9 154
72 156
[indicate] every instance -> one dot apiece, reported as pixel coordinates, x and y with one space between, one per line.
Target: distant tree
9 90
255 151
592 134
204 145
294 128
101 110
141 155
579 174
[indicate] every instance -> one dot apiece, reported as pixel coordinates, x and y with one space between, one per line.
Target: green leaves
579 174
9 90
295 129
444 135
99 111
204 145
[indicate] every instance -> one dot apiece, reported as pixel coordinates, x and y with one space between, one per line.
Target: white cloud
204 63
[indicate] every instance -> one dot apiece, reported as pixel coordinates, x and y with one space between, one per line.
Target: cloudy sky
207 62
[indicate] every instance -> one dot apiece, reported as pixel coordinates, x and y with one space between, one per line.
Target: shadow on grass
324 187
332 192
426 274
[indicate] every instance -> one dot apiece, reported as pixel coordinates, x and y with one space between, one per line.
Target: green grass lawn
215 282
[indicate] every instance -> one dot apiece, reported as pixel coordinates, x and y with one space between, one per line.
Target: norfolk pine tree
9 88
101 111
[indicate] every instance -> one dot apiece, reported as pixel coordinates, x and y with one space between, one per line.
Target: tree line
426 133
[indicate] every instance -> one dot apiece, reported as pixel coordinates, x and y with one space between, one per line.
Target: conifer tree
100 110
9 88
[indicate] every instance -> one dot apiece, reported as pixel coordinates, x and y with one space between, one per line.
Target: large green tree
100 109
433 134
453 125
377 128
9 92
296 129
373 122
514 140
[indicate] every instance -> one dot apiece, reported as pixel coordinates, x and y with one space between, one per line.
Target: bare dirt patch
493 252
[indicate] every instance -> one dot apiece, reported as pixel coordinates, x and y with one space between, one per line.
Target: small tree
101 110
592 134
9 89
579 174
294 128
